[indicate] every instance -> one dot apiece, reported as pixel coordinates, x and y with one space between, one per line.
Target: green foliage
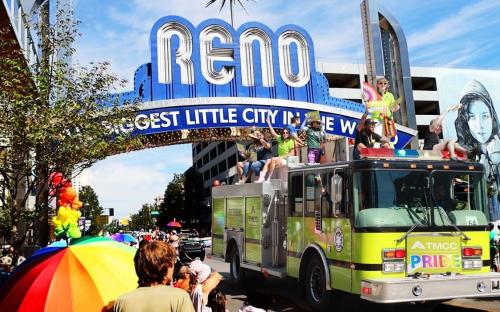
54 116
115 227
91 209
173 205
197 214
143 220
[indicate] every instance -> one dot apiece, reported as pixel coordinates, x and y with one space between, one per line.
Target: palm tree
231 4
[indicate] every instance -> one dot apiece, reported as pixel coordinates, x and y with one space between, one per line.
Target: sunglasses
285 132
383 83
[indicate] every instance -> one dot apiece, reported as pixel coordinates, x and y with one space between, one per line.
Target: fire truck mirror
336 189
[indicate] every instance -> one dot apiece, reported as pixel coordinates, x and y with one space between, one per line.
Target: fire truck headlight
393 267
469 264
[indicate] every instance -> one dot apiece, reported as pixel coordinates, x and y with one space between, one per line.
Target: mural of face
480 121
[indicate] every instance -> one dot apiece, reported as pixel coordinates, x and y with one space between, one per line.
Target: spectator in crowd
259 167
202 282
286 147
154 265
174 239
5 268
217 300
366 137
315 137
183 278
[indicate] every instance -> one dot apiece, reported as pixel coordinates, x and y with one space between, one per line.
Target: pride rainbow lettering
434 261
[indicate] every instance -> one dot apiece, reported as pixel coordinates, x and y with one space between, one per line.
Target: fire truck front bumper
432 287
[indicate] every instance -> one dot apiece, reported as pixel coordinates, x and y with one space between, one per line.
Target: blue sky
456 33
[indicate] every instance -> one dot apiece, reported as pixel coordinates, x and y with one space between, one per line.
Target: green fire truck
394 226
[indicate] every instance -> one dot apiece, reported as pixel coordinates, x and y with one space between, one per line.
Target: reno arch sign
212 76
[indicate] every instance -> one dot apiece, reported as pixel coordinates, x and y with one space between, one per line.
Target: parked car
190 247
206 241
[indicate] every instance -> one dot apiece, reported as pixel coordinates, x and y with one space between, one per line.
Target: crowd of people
193 288
9 260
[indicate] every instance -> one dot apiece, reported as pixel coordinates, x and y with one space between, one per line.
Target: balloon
56 178
76 204
68 195
74 231
66 183
56 221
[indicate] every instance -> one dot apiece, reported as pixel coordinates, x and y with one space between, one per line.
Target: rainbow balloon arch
213 82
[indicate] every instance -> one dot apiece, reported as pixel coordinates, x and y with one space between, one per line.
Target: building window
231 161
205 159
198 148
199 164
343 80
229 144
213 154
221 147
355 100
207 191
222 166
424 83
206 175
213 171
427 108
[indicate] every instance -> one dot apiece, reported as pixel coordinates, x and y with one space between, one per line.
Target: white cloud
468 20
126 182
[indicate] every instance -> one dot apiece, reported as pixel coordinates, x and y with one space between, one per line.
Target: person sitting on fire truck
433 142
286 147
262 149
366 137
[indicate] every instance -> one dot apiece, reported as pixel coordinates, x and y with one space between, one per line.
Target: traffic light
111 212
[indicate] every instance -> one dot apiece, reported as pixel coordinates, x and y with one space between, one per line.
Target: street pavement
274 294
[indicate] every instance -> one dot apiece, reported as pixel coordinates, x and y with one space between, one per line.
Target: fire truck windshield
402 198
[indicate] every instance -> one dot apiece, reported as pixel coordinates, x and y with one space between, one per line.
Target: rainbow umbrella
174 223
86 276
123 238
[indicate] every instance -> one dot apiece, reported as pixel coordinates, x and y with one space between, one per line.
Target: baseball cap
370 121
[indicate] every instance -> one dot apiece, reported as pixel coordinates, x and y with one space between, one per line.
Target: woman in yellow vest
382 108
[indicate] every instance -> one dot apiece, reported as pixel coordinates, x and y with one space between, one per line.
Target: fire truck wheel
236 271
315 285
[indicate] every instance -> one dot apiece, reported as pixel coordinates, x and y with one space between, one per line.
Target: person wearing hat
315 137
202 281
262 149
366 137
384 107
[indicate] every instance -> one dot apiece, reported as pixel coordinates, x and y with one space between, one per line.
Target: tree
143 220
54 116
173 203
196 213
223 3
91 209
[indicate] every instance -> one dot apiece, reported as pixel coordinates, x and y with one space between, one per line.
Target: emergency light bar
387 153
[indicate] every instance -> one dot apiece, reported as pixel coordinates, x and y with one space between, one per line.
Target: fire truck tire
315 285
236 271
